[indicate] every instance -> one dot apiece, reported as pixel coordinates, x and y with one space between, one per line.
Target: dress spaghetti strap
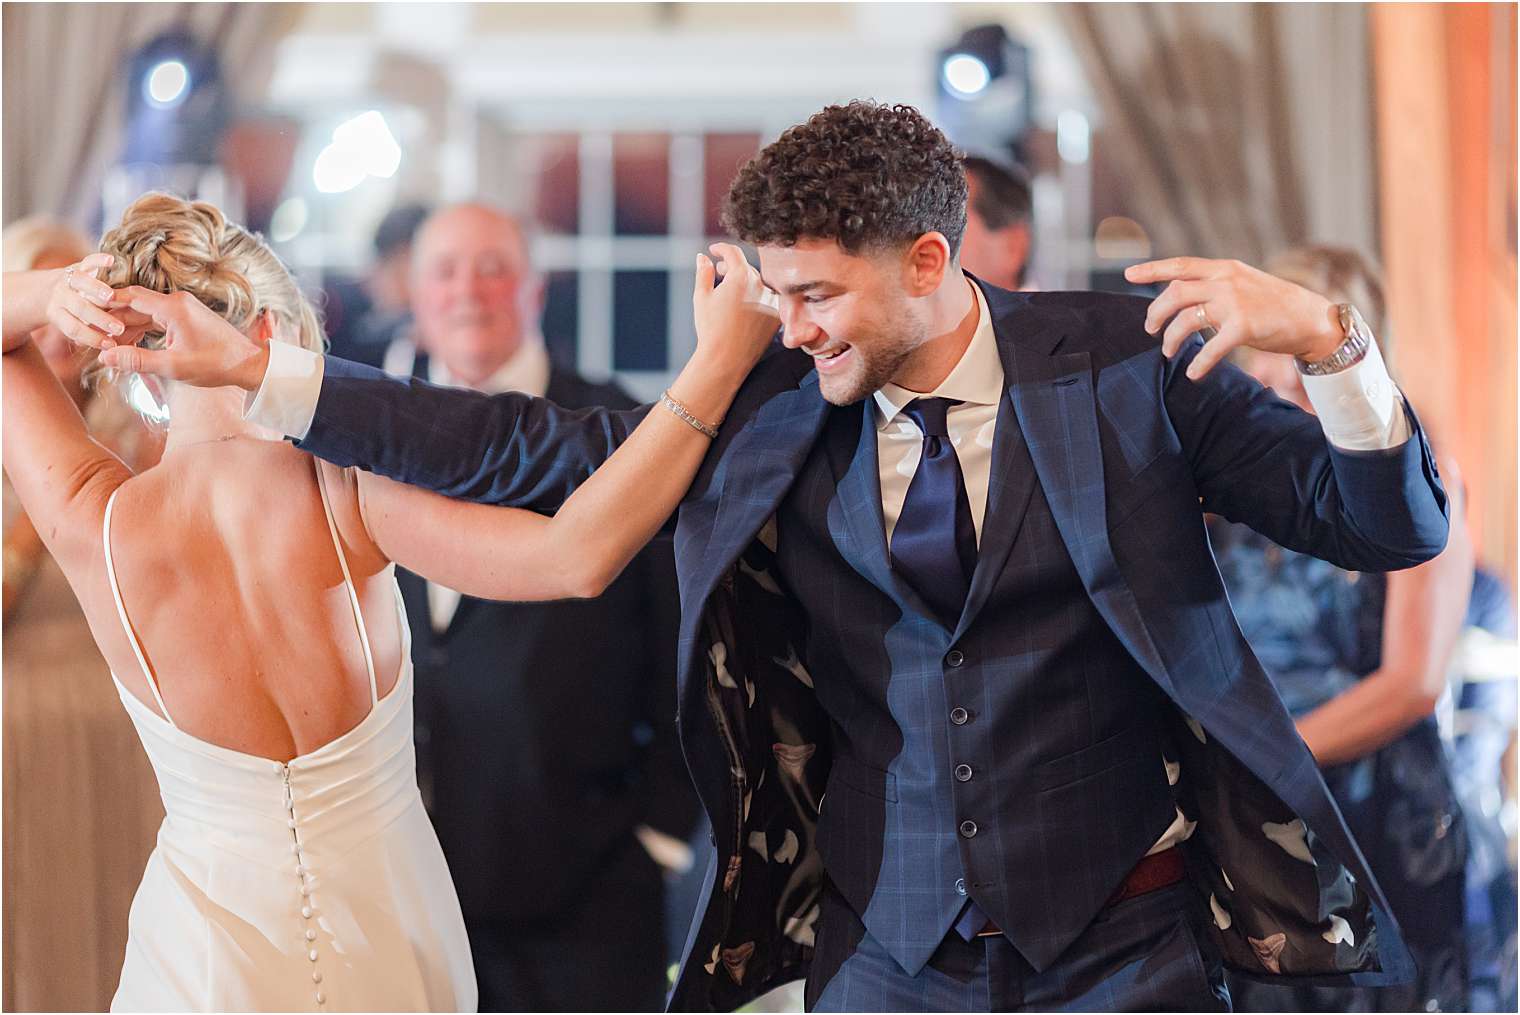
348 582
121 611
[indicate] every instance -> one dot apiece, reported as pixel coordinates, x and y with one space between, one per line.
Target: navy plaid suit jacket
1128 453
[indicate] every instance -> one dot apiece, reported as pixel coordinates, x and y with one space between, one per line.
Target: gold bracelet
684 414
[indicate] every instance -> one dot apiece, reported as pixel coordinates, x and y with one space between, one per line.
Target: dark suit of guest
1010 756
545 737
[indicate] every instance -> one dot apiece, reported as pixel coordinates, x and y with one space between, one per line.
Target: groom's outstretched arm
498 449
503 449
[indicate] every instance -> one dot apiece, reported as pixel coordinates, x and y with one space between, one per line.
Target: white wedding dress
316 885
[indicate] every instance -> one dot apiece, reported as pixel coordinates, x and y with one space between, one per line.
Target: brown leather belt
1152 873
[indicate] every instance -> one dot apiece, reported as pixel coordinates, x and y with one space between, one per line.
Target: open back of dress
315 884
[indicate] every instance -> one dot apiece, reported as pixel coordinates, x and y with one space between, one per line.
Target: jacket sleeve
509 449
1260 460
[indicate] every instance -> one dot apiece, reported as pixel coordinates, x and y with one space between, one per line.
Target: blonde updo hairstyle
169 244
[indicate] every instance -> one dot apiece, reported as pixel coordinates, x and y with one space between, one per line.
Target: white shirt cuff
1359 408
286 399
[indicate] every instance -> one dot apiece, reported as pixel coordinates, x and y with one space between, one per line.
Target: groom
960 687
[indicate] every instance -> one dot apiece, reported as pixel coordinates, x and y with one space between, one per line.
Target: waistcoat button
963 773
960 886
955 658
968 828
959 716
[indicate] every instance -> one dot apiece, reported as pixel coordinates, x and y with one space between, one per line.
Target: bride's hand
72 299
201 347
735 322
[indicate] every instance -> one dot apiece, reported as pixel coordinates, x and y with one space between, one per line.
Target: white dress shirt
1359 409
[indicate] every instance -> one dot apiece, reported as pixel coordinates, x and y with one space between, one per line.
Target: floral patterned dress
1318 630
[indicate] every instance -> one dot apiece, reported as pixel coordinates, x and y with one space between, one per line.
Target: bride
243 596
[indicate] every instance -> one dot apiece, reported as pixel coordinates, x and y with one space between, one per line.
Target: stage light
167 84
337 169
370 138
983 84
177 104
966 75
361 147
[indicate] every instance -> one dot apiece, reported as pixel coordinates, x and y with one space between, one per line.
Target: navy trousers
1148 953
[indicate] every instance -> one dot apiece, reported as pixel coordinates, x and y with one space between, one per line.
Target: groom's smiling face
851 312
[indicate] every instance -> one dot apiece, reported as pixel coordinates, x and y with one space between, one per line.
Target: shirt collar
977 379
526 371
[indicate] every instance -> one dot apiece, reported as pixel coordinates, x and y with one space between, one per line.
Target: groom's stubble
884 345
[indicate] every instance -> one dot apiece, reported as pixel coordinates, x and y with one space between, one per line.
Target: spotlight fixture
360 148
178 107
167 84
965 75
985 91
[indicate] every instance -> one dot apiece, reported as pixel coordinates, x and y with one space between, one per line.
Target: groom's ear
928 261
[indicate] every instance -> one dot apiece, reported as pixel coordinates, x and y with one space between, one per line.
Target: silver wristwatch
1348 353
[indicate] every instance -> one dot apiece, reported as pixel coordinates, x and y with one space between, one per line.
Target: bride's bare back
228 575
222 553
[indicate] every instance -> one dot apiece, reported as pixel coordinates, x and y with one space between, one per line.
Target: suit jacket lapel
1009 489
762 461
1053 397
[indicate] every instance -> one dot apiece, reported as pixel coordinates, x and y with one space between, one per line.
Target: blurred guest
545 732
76 835
1481 728
1361 660
364 317
996 244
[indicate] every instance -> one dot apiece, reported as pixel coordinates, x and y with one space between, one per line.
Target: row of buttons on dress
304 883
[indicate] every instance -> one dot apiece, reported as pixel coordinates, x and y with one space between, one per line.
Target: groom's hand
200 347
1242 305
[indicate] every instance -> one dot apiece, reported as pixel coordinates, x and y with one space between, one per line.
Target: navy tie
934 546
934 543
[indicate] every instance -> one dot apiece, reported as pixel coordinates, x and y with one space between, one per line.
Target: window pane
641 182
640 308
556 163
724 154
562 316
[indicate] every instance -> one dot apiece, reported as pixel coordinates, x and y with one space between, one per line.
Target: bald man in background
546 746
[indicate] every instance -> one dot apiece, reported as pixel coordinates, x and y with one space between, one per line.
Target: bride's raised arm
504 553
61 475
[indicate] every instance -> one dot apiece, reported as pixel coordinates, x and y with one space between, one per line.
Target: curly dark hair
867 175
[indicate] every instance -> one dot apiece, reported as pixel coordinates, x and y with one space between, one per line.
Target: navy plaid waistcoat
1022 766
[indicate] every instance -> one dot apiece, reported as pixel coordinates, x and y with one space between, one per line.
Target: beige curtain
65 81
1239 129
